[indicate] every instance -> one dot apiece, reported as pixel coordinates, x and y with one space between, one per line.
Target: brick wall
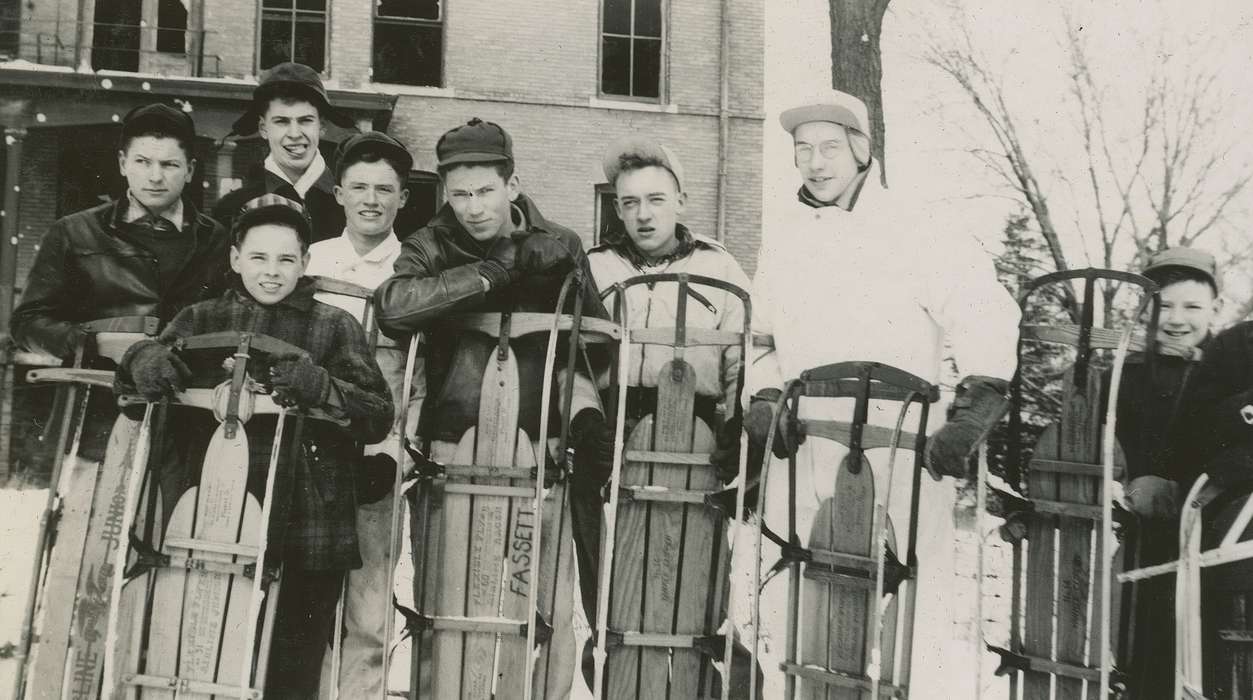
350 42
231 35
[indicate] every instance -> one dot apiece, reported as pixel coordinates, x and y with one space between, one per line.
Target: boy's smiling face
270 262
1188 309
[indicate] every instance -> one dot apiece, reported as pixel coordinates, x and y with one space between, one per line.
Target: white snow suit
873 284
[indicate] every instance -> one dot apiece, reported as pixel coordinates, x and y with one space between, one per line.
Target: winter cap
828 106
640 148
288 76
159 118
476 141
351 150
273 209
1191 258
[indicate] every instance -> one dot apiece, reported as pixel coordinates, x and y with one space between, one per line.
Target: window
115 36
606 216
293 30
10 28
424 201
171 25
630 48
408 42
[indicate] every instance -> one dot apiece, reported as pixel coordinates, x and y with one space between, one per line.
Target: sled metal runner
79 517
203 581
1062 600
848 572
481 627
659 605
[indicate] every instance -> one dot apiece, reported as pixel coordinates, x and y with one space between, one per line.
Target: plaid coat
314 516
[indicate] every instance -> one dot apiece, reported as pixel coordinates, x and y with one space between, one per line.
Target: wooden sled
69 581
1062 584
665 554
849 577
488 584
199 590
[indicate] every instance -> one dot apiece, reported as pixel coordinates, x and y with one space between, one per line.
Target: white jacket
717 369
877 283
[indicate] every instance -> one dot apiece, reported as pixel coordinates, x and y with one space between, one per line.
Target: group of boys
847 261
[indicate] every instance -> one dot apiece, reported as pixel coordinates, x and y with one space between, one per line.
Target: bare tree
856 63
1170 175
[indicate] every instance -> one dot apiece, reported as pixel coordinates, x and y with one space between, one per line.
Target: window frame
600 191
440 23
325 70
663 70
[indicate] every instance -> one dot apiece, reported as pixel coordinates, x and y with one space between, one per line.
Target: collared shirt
306 181
135 211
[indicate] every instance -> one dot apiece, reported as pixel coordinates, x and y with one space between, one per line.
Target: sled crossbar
1061 466
662 494
1070 510
692 337
184 685
521 323
478 625
844 680
872 436
1191 693
1236 636
479 471
1012 661
695 458
710 644
445 486
93 377
1101 339
144 325
239 550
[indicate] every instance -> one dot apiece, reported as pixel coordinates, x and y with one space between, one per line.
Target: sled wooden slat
692 337
625 603
840 680
697 611
215 547
1037 639
844 523
1062 466
520 571
872 436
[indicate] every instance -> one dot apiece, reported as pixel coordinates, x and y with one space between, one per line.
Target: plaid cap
273 209
476 141
643 149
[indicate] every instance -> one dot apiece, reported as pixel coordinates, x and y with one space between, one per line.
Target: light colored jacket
717 369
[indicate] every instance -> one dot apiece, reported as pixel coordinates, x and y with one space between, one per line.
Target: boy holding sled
370 174
335 373
489 249
1149 408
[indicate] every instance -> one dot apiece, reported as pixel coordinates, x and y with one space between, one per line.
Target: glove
156 370
726 454
1152 497
978 407
592 441
760 418
296 381
544 254
375 478
499 267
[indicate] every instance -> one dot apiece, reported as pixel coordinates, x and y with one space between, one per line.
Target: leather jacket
437 276
86 269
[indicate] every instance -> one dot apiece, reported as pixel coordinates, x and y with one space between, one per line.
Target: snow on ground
19 520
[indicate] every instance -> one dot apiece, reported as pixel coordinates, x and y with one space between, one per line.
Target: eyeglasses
828 149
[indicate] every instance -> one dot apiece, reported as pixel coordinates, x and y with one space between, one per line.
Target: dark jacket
327 215
1150 406
1212 426
87 270
436 276
317 524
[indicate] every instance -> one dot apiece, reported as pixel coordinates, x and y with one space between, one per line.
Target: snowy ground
19 517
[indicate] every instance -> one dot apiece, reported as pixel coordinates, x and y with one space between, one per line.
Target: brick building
565 77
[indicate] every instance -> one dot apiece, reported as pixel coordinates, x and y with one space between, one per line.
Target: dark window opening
408 42
115 36
10 27
631 48
424 201
607 221
171 26
293 30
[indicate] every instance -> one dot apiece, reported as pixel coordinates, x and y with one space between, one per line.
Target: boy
370 173
335 374
489 249
648 181
289 109
1148 413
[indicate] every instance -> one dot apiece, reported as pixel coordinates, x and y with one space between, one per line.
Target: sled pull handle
240 371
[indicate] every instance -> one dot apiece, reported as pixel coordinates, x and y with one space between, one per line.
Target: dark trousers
304 622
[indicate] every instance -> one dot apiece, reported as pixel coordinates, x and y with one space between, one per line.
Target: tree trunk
856 67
